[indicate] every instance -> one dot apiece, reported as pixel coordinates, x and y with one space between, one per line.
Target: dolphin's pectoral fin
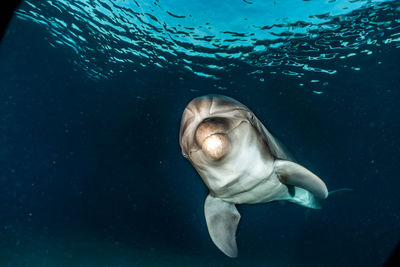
222 220
293 174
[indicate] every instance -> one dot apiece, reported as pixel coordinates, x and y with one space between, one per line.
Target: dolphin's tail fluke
340 191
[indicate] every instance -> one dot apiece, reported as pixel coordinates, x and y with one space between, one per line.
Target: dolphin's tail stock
304 198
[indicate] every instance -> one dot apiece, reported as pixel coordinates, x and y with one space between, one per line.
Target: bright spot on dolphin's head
212 136
216 145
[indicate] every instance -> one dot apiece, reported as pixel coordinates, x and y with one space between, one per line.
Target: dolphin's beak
216 145
212 138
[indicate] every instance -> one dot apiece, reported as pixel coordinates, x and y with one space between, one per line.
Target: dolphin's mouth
212 136
216 145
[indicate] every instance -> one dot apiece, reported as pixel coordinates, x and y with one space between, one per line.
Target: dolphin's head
207 123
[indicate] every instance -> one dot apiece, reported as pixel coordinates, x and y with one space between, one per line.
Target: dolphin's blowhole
216 145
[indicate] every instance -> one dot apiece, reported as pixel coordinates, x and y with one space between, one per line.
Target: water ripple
209 38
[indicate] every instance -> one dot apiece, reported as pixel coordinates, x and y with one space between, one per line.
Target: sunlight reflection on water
208 39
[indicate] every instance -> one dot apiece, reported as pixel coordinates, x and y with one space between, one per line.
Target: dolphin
240 162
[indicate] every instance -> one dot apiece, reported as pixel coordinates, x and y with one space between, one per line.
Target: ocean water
91 97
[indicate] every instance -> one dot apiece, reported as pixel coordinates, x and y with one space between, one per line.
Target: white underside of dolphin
249 167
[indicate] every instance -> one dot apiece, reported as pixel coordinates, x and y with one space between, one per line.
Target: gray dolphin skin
240 162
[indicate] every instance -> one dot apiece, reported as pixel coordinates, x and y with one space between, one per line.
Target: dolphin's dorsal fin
294 174
222 220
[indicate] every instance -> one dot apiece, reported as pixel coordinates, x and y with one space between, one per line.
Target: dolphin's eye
252 117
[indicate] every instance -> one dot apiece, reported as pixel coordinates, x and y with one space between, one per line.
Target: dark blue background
91 174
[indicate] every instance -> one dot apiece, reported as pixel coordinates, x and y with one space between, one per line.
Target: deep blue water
91 97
